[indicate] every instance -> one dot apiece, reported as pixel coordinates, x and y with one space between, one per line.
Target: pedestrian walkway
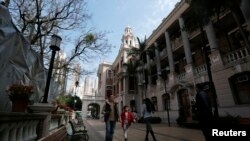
96 131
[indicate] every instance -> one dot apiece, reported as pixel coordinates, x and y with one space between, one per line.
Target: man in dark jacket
111 116
204 110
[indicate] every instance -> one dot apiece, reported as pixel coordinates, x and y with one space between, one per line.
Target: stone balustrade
200 69
181 76
30 126
20 126
235 56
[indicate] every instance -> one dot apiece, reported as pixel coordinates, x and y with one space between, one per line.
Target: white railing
29 126
200 69
236 55
19 126
181 76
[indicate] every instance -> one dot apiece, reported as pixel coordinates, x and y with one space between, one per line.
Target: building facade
60 74
75 79
176 61
179 62
114 78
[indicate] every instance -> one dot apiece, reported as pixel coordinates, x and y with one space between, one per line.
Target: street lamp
76 84
55 46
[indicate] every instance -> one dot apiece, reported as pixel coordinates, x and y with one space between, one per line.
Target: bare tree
39 19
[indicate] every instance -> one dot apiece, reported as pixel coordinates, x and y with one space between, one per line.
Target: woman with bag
146 110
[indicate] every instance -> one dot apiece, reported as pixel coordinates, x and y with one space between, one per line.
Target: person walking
127 118
204 111
146 110
111 116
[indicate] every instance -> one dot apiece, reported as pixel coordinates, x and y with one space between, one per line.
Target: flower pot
19 105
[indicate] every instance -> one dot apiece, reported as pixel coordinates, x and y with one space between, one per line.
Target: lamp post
55 46
74 104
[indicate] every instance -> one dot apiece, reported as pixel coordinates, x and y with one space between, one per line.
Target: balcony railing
181 76
200 69
236 56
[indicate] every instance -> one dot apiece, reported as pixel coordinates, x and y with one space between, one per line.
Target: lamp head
55 42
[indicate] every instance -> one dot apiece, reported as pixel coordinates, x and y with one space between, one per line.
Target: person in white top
146 110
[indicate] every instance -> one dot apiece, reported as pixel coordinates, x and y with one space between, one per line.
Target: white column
184 36
158 63
211 36
170 52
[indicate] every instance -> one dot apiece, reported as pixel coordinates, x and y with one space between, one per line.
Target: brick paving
136 132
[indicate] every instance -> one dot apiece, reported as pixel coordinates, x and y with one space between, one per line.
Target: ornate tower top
128 38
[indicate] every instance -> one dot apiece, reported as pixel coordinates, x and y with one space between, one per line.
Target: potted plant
19 95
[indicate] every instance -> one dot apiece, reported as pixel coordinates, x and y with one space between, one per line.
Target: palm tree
138 55
131 72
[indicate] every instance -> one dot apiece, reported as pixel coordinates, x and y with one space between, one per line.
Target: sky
112 16
143 16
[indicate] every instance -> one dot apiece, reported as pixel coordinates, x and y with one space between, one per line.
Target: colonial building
60 75
179 62
75 79
124 87
112 78
176 60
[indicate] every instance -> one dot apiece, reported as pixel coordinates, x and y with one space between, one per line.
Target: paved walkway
136 132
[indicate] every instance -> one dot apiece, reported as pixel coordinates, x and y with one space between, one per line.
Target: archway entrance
184 105
93 111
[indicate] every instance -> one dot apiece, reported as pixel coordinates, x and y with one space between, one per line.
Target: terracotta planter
19 105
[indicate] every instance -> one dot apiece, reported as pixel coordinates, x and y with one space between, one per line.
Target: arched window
165 101
154 101
240 85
